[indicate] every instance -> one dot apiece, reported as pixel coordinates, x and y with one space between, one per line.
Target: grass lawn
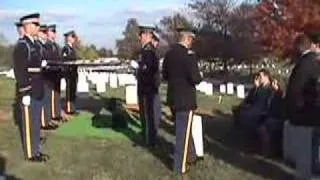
81 149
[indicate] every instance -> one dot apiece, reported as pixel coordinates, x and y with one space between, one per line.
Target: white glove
44 63
26 100
134 64
201 74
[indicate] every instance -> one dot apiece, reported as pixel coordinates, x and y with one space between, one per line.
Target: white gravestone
83 85
223 89
241 91
113 80
230 89
197 135
131 95
208 89
101 87
63 84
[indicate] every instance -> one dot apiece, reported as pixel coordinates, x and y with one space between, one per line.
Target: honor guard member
46 122
180 69
27 69
16 105
148 86
157 101
55 55
69 54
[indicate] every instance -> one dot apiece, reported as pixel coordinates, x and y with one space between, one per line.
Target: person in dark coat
71 74
302 92
148 86
181 71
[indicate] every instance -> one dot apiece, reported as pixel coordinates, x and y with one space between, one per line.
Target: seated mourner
252 116
248 101
270 130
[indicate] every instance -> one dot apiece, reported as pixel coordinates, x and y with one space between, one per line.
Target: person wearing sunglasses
27 69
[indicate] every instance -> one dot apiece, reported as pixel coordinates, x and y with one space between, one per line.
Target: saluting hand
26 100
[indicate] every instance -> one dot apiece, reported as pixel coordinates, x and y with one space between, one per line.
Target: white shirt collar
30 37
306 52
69 44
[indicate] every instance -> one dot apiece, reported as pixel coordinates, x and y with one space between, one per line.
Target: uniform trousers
184 149
30 127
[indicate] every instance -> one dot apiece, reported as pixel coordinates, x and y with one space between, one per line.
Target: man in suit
302 103
71 75
180 69
27 69
148 85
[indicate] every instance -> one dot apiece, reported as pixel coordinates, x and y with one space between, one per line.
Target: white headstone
83 85
101 87
230 88
201 87
287 71
241 91
131 95
208 90
197 135
279 71
223 88
63 84
113 80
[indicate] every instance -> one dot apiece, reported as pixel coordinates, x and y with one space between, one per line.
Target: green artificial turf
99 126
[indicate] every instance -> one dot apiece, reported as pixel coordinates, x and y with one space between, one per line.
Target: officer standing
181 71
148 86
46 122
56 74
69 54
27 69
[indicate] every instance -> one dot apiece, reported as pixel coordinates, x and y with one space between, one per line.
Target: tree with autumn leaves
279 22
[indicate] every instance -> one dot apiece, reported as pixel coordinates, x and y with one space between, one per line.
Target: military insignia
190 52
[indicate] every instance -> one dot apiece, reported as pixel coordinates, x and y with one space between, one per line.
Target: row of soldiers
38 99
180 70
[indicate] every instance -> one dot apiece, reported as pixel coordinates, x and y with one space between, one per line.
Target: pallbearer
71 75
27 68
46 122
180 69
148 85
55 55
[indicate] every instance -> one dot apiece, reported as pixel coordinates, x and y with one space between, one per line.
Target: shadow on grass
3 174
224 142
121 121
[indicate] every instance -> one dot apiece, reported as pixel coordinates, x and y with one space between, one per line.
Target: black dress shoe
48 128
39 158
53 125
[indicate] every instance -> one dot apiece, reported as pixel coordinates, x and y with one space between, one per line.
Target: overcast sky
96 21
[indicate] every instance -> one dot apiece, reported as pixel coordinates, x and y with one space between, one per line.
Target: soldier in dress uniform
181 70
157 101
148 85
55 55
16 104
71 75
46 122
27 69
